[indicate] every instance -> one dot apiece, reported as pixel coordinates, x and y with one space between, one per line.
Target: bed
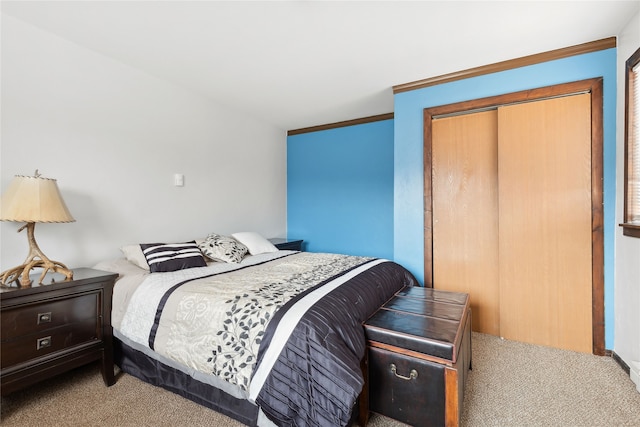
264 336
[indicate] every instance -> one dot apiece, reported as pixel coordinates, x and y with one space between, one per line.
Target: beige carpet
512 384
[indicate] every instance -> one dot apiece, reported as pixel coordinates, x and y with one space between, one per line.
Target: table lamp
33 199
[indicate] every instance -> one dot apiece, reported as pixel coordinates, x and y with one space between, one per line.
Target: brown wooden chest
419 353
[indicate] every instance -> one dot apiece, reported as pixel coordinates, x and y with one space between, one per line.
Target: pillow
133 254
255 243
223 248
164 257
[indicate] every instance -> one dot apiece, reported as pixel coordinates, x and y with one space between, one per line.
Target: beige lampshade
33 199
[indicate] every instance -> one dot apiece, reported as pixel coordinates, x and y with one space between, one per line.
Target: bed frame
141 366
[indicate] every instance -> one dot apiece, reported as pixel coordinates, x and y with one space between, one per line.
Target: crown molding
509 64
360 121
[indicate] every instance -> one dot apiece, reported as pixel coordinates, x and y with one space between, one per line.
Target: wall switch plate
178 180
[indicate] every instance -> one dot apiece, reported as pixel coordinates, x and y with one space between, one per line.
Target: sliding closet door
465 212
544 165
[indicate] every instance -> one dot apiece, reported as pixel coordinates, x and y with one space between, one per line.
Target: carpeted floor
512 384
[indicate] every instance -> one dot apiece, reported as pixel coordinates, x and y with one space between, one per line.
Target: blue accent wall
340 189
408 150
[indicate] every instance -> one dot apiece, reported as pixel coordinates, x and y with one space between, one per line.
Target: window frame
631 113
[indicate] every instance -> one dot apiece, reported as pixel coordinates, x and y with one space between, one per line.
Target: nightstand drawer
29 347
23 320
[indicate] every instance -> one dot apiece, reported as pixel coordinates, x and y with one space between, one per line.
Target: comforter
286 331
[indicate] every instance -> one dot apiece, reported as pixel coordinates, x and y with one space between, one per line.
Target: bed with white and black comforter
277 338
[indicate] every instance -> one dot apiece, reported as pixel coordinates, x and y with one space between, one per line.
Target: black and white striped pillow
163 257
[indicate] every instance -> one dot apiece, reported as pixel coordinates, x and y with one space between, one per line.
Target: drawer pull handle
44 342
412 375
44 317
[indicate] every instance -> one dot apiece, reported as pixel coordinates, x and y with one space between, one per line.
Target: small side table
50 328
287 244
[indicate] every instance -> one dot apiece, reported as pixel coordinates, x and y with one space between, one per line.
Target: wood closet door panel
544 153
465 212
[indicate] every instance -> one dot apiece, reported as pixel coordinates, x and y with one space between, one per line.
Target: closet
513 212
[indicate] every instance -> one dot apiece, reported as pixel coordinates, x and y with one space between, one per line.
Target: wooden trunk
419 353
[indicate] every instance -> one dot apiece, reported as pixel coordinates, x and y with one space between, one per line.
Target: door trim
592 86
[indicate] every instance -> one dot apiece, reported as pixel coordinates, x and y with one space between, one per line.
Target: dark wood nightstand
50 328
287 244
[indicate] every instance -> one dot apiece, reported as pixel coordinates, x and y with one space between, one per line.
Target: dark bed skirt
151 371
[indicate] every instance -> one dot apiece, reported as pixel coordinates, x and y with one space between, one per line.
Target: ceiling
297 64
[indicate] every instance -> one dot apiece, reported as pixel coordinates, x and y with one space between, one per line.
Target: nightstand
287 244
50 328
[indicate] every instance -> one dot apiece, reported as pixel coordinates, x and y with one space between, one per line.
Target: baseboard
620 362
633 371
635 374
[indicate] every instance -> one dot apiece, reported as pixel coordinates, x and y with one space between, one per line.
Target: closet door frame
591 86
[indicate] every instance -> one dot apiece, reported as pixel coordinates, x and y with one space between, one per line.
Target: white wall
627 282
113 137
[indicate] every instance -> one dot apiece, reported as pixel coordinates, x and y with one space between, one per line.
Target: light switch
178 180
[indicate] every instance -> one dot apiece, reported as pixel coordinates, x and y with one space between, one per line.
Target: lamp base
20 274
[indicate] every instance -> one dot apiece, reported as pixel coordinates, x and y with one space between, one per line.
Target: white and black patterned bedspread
299 315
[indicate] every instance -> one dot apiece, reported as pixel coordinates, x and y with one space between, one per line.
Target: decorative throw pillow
133 254
163 257
223 248
255 243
